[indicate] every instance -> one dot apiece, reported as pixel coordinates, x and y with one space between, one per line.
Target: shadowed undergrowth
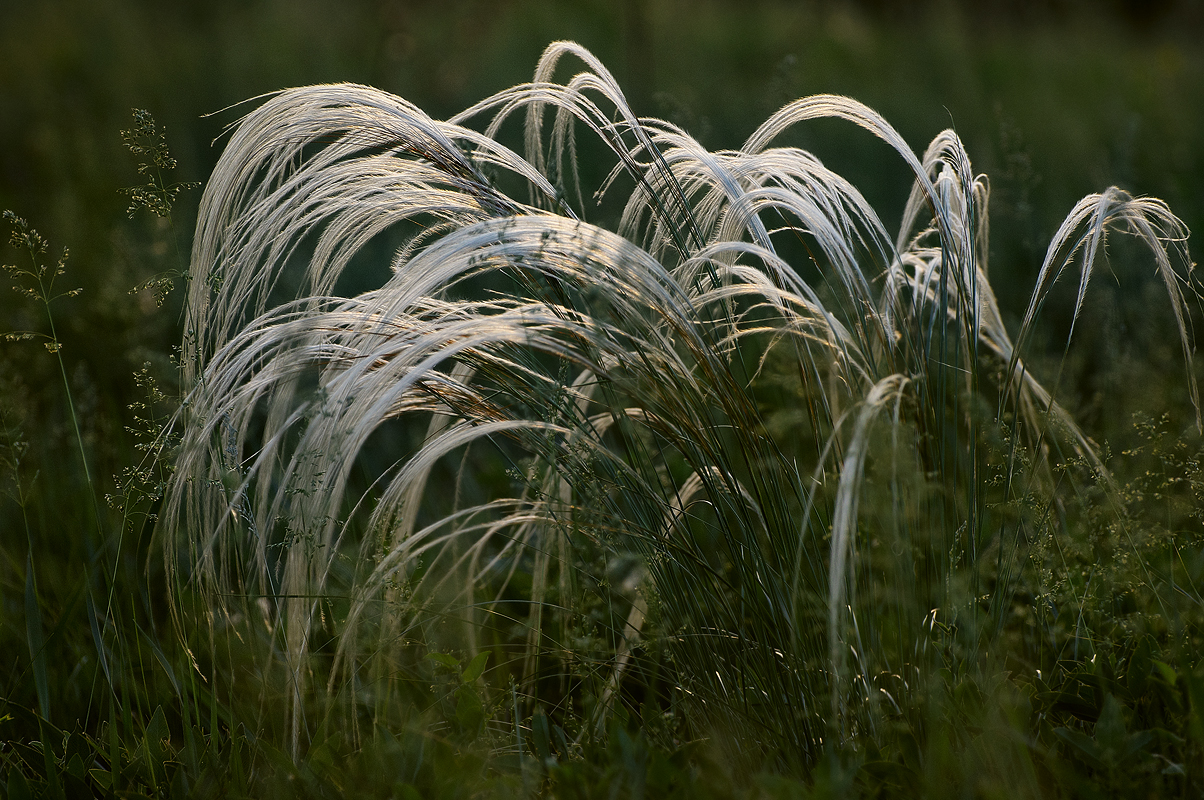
635 434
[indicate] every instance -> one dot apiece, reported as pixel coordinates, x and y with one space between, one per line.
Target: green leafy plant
808 573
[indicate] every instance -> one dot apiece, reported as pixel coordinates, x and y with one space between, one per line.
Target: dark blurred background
1053 99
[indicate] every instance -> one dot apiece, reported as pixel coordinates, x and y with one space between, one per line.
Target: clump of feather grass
618 370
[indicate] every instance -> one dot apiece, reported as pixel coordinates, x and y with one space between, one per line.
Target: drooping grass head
709 407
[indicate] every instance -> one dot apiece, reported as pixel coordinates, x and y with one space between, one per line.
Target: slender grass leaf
35 638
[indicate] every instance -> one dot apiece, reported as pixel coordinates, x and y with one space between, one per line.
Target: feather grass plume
342 455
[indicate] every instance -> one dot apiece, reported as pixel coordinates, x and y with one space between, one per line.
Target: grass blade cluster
438 462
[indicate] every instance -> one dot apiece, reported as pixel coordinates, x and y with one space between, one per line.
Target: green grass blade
35 636
98 640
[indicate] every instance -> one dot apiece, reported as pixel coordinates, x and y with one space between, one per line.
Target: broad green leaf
444 659
1110 729
1166 671
470 712
1082 742
18 787
475 667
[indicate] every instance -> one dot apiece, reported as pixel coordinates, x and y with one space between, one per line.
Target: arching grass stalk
628 371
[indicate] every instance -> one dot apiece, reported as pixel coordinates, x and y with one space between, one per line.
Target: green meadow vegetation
576 443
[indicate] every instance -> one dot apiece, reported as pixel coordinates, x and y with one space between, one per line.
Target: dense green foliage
1061 654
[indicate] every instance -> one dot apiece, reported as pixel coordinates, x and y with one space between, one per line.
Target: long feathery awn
620 373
